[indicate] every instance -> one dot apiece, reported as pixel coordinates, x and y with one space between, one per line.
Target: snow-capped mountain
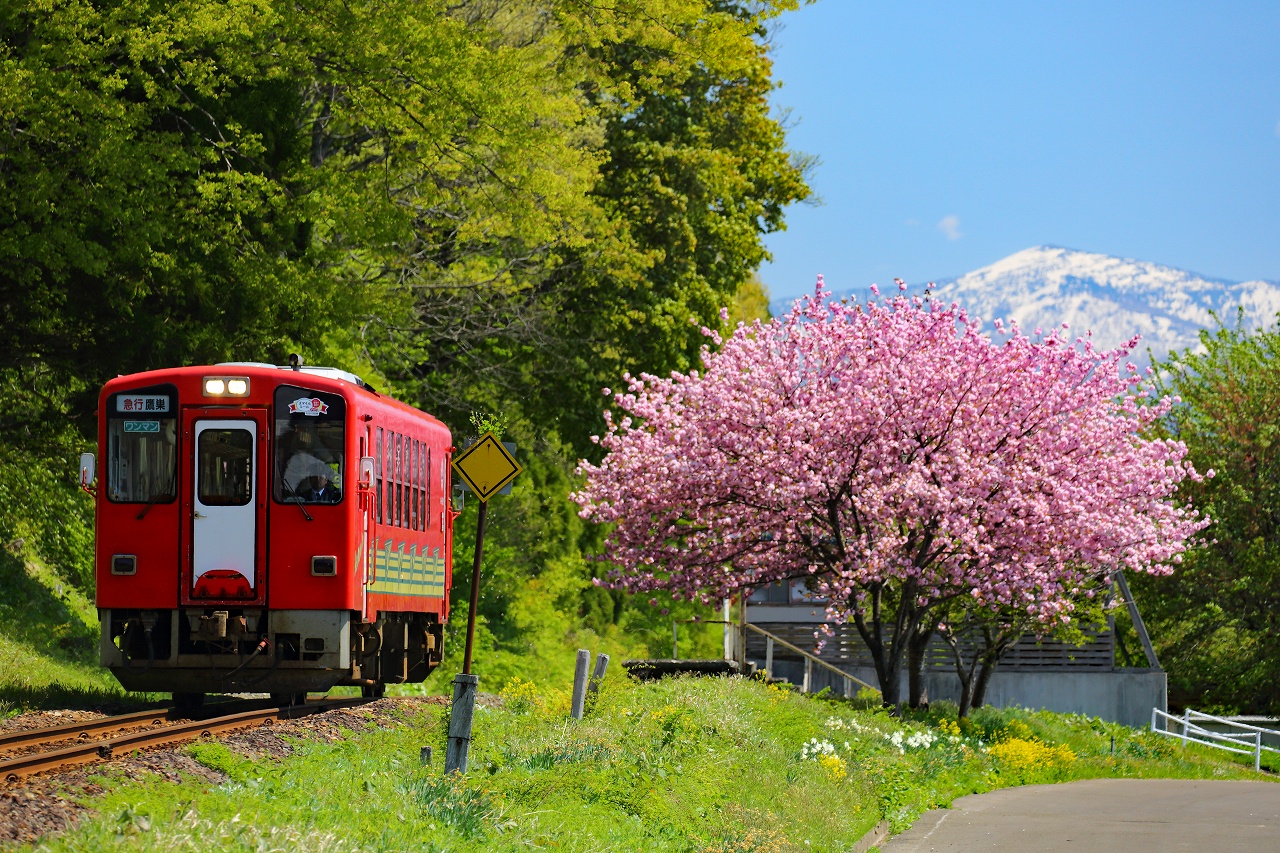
1115 298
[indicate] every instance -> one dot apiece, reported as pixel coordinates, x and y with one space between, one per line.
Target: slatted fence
845 648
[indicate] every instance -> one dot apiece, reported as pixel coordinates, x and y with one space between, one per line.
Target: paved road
1129 815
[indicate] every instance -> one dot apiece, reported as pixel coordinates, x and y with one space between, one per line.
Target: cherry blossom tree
898 460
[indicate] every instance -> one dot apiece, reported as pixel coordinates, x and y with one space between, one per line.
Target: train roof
328 372
329 376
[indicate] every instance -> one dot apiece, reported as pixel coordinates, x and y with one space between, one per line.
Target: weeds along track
39 750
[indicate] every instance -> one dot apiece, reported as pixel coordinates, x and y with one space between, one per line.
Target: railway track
99 740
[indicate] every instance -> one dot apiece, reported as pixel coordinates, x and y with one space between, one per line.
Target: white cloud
950 226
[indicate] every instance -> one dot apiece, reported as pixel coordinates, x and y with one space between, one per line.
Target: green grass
679 765
48 641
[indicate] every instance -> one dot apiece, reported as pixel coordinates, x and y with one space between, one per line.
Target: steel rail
81 730
88 752
10 741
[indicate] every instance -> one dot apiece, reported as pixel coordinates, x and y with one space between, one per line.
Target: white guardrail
1237 737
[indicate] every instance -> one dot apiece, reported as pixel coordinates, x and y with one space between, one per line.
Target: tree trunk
985 671
916 647
998 645
966 696
965 673
891 684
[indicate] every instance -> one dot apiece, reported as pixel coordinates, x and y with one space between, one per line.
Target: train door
226 518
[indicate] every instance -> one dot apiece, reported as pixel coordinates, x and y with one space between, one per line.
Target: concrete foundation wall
1122 696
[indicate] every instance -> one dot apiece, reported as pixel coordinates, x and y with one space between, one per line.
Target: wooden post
602 663
768 658
475 589
464 706
580 683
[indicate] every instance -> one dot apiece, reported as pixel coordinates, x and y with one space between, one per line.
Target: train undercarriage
287 653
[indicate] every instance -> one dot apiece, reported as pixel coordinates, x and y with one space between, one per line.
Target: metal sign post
475 588
486 467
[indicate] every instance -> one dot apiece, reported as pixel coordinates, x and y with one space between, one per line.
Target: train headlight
226 386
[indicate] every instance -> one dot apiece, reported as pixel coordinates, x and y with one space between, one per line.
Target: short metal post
1186 721
768 658
808 675
848 688
580 683
730 642
602 663
464 707
1257 752
742 633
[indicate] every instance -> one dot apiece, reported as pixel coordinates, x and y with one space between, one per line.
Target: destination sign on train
142 403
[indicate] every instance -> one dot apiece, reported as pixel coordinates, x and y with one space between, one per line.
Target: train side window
426 479
401 512
399 450
416 481
377 474
398 447
389 508
408 482
424 507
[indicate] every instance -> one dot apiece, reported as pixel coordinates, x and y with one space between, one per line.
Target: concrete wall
1122 696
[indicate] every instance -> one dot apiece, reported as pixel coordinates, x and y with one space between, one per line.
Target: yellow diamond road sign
486 466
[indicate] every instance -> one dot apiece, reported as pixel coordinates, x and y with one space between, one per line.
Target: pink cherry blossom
896 458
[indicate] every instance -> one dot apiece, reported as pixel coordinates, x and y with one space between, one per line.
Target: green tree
691 173
487 204
1214 622
196 182
750 303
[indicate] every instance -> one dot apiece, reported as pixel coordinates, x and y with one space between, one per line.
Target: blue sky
955 134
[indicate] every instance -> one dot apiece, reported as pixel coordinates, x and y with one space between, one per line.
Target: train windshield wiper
297 499
154 500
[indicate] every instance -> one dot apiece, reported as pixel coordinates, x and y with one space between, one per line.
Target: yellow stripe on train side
411 572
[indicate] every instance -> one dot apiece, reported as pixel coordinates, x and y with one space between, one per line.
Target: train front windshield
142 446
310 431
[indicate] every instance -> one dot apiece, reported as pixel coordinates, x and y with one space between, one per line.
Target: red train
268 529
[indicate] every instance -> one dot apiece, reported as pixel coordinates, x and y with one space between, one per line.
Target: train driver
322 491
